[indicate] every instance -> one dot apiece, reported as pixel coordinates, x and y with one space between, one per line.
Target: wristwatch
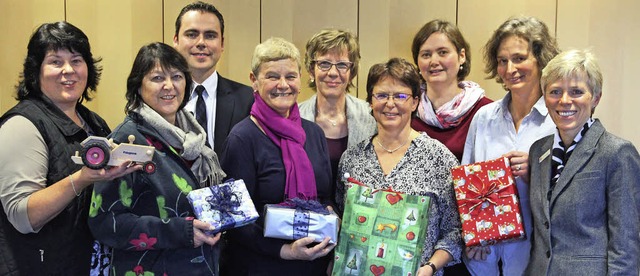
433 267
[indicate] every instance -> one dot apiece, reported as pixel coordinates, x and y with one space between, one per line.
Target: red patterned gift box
488 203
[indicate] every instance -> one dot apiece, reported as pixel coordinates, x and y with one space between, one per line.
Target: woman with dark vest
45 196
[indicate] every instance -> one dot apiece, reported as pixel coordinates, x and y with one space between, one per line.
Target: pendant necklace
392 150
333 122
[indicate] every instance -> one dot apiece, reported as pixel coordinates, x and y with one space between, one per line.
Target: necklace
333 122
393 150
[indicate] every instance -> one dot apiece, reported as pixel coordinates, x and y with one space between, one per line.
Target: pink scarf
287 133
452 113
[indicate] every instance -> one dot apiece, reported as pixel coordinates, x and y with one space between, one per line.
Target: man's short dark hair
202 7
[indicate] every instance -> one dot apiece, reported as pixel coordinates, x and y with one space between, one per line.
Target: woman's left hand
199 237
519 163
298 250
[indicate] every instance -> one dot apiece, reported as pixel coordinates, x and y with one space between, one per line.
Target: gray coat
590 224
360 122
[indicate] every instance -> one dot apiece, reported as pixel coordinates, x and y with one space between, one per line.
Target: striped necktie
560 156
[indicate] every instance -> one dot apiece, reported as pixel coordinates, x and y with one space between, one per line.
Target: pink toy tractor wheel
149 167
95 155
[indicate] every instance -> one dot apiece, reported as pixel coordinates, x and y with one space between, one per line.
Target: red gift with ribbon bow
488 203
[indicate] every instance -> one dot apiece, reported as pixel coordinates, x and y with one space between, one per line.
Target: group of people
578 184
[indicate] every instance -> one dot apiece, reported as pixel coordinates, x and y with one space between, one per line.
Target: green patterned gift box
382 233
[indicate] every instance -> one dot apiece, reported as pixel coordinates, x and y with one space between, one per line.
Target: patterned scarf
287 133
188 136
453 112
560 156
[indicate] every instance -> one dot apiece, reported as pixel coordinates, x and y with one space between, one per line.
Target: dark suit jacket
234 101
591 223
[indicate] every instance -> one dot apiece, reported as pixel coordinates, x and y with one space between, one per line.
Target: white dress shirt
210 99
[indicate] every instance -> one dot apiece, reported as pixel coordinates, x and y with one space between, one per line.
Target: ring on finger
518 167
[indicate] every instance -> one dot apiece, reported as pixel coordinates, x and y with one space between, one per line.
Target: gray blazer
590 223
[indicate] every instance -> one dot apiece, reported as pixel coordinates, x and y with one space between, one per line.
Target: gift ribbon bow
489 193
306 205
223 198
226 201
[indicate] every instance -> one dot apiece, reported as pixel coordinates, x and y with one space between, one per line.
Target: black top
336 148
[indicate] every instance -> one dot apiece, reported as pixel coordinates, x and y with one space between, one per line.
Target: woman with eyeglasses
408 161
332 61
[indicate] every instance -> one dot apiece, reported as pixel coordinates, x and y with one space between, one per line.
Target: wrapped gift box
488 204
224 206
291 223
383 232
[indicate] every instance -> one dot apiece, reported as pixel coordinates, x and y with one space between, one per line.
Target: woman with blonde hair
585 182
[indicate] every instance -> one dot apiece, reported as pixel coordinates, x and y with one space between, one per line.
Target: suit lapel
545 174
224 112
581 154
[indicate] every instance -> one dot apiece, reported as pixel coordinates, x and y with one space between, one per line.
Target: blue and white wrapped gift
298 219
224 206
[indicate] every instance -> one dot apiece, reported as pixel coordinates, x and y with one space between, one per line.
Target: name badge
544 156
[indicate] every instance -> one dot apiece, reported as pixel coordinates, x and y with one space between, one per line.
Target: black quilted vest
63 245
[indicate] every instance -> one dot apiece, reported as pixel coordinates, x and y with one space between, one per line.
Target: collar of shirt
503 109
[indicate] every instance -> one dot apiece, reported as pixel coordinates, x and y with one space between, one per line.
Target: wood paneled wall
117 29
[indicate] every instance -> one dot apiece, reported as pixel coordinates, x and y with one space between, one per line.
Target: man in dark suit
218 103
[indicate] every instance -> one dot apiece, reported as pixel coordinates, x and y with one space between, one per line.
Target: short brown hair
397 68
333 40
453 34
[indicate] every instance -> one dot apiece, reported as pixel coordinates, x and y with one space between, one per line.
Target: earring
461 67
311 80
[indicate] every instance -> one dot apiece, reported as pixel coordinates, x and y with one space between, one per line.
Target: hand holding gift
519 161
200 236
299 250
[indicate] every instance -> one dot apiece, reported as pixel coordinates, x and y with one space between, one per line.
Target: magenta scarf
287 133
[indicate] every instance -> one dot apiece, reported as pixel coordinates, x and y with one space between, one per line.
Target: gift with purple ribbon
224 206
297 218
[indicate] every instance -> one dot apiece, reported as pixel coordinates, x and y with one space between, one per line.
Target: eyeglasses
398 97
342 66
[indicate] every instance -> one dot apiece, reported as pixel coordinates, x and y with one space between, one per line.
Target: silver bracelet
73 186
